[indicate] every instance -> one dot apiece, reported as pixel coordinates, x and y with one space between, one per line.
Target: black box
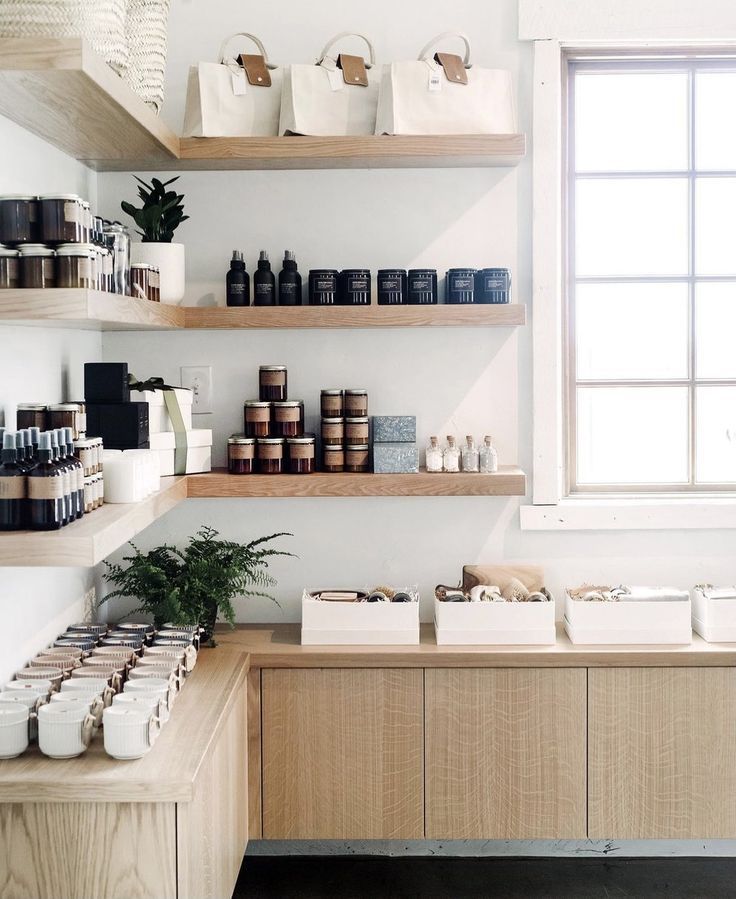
121 425
106 382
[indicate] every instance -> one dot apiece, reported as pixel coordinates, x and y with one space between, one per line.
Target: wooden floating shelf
61 90
95 310
508 481
90 540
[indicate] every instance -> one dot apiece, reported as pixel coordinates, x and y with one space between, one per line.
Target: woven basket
146 33
99 22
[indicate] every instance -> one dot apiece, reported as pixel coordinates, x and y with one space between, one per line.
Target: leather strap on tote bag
256 66
454 66
353 67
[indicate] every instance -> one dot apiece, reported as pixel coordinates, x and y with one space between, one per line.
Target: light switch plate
199 379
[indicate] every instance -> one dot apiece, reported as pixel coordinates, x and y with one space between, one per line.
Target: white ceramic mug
54 675
162 688
160 672
32 701
129 731
107 664
93 700
39 687
145 700
108 674
186 654
68 651
64 729
126 653
89 685
14 729
66 663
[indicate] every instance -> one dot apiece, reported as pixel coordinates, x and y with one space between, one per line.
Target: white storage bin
158 415
199 451
359 623
714 613
662 621
494 623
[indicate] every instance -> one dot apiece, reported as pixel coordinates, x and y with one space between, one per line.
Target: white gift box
714 613
494 623
158 415
199 450
359 623
664 618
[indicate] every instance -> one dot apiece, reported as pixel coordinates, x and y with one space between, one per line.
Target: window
651 275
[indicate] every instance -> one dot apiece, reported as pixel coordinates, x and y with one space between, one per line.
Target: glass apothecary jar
288 418
257 418
37 266
18 219
273 383
76 266
241 454
31 415
356 458
270 453
9 268
357 430
333 431
62 219
333 459
331 403
433 456
140 280
302 454
356 402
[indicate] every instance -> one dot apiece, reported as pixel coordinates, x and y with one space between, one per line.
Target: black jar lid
323 272
356 271
422 271
241 438
17 198
494 271
391 271
460 271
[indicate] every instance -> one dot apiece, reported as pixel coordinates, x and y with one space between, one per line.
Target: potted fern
198 583
157 219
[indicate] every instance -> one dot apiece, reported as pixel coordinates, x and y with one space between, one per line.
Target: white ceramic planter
169 259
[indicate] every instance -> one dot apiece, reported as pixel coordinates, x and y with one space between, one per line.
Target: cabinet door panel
662 753
342 754
505 753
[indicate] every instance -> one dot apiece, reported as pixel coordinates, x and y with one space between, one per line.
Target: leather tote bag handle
338 37
251 37
446 35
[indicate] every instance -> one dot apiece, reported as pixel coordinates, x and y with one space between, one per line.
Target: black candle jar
302 454
257 418
493 285
18 220
288 418
460 285
241 451
323 287
273 383
391 284
355 287
270 451
422 286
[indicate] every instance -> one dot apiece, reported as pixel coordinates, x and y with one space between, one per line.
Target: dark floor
485 878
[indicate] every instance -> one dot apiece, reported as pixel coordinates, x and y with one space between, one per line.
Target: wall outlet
199 379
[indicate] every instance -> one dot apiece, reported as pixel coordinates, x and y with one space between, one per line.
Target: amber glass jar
66 415
241 453
18 219
31 415
270 452
356 403
140 279
257 418
76 266
62 219
37 267
288 418
273 383
154 284
9 268
333 458
331 403
333 431
302 454
356 430
356 457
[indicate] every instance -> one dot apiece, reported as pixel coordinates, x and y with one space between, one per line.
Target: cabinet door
505 753
342 754
662 753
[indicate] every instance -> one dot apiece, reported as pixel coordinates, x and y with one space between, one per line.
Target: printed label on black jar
72 211
461 283
421 284
263 290
495 283
389 284
46 488
326 284
358 284
12 488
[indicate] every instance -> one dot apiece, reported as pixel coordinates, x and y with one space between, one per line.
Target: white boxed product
714 613
663 618
359 623
494 623
199 450
158 415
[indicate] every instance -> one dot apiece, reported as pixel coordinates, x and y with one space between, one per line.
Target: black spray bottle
290 282
77 471
264 283
12 487
46 489
238 282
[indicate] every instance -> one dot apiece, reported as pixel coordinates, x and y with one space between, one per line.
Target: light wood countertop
278 646
165 774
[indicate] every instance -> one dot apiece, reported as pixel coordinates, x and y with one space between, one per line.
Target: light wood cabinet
505 753
662 753
342 754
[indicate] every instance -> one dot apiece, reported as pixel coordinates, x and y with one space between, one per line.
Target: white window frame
554 26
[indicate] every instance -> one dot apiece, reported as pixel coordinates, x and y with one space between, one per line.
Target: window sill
640 514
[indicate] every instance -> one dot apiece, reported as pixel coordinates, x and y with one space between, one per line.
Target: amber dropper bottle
46 489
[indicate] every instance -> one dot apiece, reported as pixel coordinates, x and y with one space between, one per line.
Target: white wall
44 365
455 381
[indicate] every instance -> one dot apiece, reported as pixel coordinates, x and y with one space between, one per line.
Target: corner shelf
61 90
508 481
97 311
90 540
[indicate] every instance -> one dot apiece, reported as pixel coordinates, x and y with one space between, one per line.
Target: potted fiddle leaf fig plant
157 219
198 583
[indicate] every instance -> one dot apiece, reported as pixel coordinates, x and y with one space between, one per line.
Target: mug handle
116 682
107 696
154 729
190 658
338 37
96 710
424 54
42 700
88 728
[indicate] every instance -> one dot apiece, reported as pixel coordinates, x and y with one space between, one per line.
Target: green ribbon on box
171 401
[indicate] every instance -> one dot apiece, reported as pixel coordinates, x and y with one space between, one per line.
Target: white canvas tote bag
238 96
442 93
337 96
